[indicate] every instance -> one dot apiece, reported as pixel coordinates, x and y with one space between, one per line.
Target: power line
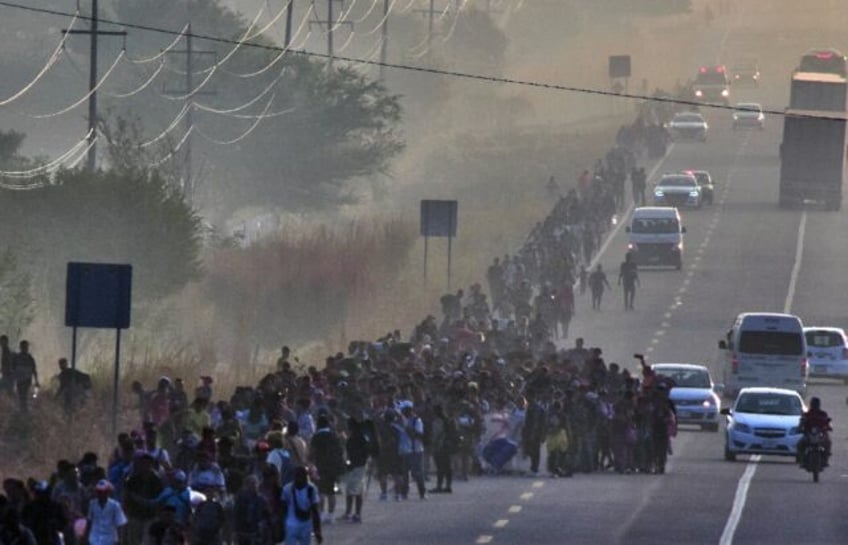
94 33
429 70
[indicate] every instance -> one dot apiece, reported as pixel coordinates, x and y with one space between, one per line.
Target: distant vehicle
694 393
818 91
764 421
712 85
827 61
745 73
827 349
705 182
688 126
764 349
812 158
656 236
678 190
748 115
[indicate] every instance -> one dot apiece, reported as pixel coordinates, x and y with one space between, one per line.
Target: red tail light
803 367
734 364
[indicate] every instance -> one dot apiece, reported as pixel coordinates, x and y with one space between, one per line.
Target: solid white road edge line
796 268
739 502
748 475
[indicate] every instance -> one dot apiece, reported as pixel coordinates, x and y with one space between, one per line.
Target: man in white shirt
105 516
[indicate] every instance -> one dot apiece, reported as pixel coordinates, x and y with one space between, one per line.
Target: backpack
300 514
208 520
286 466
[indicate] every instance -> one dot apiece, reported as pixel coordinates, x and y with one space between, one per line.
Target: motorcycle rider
814 418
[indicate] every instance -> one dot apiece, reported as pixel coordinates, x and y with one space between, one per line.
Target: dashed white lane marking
526 496
660 333
667 315
514 509
501 523
665 325
538 484
482 540
745 481
655 341
649 349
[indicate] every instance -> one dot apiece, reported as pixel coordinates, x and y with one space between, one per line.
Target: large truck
812 158
818 91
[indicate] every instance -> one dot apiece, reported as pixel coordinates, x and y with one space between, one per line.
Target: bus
828 61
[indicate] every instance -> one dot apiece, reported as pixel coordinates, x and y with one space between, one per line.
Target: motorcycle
814 456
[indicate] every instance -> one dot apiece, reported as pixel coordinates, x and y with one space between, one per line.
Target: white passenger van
656 236
764 349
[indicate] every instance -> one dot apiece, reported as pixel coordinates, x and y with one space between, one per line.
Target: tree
106 216
341 128
16 300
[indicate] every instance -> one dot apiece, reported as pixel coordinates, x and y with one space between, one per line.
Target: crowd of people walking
481 390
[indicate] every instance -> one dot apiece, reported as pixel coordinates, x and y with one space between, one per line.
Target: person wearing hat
105 516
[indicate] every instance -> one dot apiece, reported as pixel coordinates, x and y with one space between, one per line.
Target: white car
688 126
678 190
748 115
827 352
764 421
694 394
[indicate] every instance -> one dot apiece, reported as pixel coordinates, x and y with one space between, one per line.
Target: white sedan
693 393
688 126
748 115
764 421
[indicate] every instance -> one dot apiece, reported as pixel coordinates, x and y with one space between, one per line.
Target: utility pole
188 185
289 16
95 33
331 24
384 43
431 13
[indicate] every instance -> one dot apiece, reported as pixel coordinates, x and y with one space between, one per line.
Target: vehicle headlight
693 193
735 117
658 193
725 92
741 428
633 246
708 403
699 93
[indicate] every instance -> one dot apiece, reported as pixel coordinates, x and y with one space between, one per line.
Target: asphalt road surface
741 254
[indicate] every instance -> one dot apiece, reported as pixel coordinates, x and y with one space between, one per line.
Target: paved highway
742 254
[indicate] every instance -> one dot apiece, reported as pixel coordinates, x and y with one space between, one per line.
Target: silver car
748 115
694 394
688 126
764 421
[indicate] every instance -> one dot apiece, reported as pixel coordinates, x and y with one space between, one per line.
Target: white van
764 349
656 236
